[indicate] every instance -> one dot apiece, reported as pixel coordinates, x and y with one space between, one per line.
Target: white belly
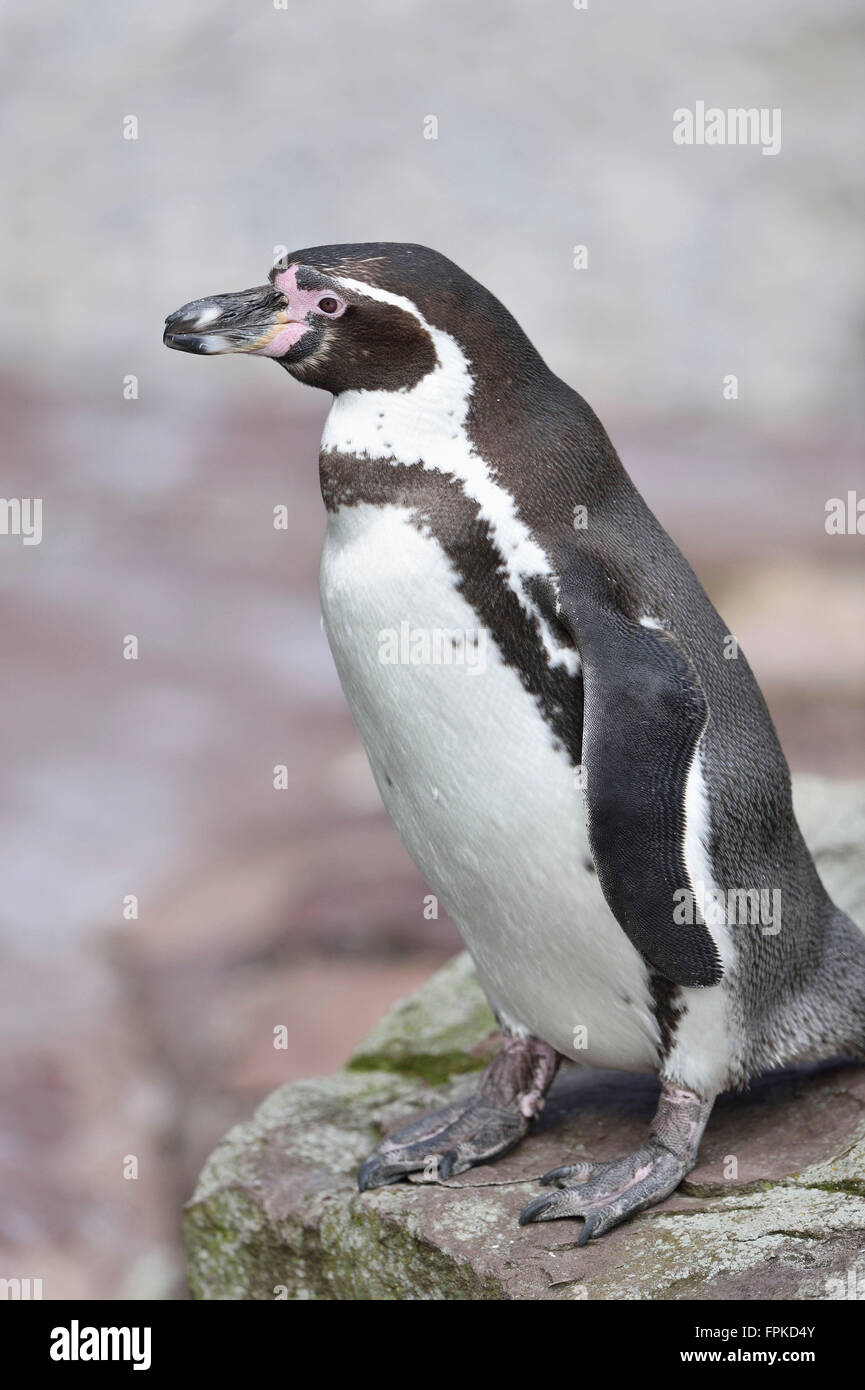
487 808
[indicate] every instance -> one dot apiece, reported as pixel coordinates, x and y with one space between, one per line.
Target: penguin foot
604 1194
472 1131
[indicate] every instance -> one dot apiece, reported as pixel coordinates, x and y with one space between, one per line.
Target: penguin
573 752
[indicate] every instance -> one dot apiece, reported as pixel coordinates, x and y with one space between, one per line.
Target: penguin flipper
644 716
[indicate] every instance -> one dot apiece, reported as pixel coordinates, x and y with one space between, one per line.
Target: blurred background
258 127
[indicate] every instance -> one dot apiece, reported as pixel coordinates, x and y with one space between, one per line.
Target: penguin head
357 317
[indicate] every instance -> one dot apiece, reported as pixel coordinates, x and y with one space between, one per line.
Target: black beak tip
173 323
185 342
180 330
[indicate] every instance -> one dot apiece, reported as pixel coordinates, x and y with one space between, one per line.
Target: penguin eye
328 305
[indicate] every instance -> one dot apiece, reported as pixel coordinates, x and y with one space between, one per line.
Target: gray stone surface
773 1210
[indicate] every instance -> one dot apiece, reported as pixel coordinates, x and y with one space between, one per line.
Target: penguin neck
430 423
493 420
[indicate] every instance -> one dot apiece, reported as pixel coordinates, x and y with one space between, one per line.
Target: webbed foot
603 1194
484 1126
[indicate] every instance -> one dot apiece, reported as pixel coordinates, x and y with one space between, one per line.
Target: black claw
554 1174
534 1210
446 1165
364 1174
588 1230
372 1173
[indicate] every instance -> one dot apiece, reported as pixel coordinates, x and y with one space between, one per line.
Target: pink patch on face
301 303
286 281
283 339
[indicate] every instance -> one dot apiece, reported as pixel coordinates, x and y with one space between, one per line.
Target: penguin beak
254 321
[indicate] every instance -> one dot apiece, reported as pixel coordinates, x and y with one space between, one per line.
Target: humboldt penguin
573 751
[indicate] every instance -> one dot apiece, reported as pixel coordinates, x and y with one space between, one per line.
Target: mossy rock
443 1029
277 1215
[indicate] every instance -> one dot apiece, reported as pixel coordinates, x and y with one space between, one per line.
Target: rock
445 1028
773 1210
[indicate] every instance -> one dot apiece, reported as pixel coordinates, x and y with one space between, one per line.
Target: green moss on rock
433 1067
442 1030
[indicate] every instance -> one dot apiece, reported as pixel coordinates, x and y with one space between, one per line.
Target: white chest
485 805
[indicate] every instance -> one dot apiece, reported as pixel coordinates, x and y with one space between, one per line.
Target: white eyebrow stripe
383 296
